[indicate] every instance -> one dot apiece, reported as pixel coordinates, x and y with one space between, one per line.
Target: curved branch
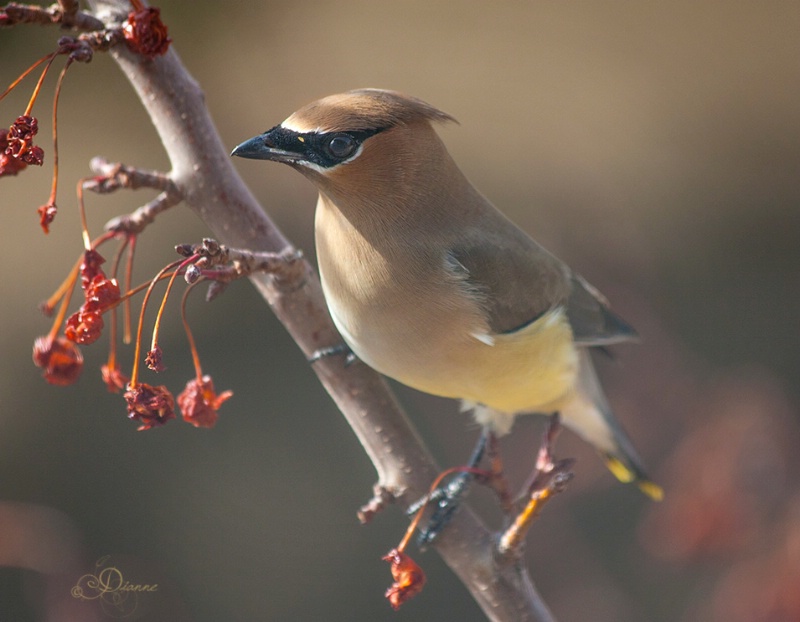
211 187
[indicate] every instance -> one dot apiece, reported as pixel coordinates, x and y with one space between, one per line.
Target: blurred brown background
655 148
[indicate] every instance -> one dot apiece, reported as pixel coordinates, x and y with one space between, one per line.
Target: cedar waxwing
431 285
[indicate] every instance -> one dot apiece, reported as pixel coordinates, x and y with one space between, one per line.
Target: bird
431 285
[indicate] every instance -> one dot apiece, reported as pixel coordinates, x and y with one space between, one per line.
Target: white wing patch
483 338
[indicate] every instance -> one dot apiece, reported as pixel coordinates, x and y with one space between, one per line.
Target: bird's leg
544 459
447 498
497 479
341 348
549 478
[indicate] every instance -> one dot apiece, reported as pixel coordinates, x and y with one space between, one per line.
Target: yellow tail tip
651 489
620 471
626 476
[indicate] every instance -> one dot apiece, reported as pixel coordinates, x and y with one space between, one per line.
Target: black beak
263 147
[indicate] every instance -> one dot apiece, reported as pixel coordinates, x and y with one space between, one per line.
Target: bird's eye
341 146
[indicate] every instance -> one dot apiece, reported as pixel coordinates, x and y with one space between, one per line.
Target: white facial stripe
300 129
325 171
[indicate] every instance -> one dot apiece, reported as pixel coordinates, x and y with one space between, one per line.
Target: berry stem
135 371
66 289
112 335
192 346
82 209
24 75
50 58
66 284
157 325
126 310
54 188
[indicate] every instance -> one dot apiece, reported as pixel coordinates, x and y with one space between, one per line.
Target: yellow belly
531 370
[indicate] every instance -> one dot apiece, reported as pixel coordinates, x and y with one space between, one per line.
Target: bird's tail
590 416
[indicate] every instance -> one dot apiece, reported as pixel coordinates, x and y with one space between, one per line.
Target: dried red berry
47 214
90 267
114 378
33 155
408 578
199 402
154 359
101 292
84 326
145 33
61 360
22 130
10 165
19 141
153 406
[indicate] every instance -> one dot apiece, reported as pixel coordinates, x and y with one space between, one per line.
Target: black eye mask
323 149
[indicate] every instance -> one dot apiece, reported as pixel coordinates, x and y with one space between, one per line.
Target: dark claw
448 497
434 497
448 501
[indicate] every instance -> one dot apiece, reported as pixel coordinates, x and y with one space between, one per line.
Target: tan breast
400 312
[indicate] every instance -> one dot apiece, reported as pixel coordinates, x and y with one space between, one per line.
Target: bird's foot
550 477
341 348
447 497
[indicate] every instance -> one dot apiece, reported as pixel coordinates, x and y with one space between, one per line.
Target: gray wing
592 321
514 279
517 281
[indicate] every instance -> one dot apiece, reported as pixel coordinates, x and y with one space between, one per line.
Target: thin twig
223 264
135 222
112 176
64 12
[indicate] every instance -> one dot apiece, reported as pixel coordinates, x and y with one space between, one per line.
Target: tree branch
204 176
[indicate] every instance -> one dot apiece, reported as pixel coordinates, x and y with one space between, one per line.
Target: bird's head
354 140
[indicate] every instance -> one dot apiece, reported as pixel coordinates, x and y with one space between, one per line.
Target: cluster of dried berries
145 33
61 360
17 150
153 406
100 293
